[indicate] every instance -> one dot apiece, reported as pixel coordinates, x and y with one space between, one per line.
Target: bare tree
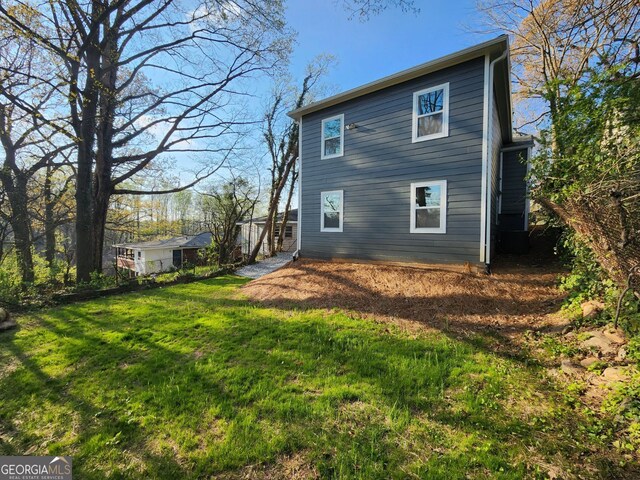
29 144
52 203
281 138
554 42
223 208
365 9
146 79
283 152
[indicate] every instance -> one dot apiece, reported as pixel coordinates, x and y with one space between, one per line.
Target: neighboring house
420 166
161 255
250 231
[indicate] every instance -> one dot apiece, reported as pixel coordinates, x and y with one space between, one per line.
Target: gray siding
379 164
514 189
494 151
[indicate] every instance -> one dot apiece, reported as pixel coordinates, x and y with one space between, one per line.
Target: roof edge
152 244
519 141
402 76
140 246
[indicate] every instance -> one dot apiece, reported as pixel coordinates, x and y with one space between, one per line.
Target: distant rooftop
293 217
194 241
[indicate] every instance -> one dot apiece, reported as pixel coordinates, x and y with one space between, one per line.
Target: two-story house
420 166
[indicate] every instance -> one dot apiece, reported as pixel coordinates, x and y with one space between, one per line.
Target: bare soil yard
513 299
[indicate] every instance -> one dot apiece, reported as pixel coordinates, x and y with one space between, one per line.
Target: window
288 231
431 113
139 254
332 137
429 207
331 211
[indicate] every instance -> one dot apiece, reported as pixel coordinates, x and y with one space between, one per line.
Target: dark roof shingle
195 241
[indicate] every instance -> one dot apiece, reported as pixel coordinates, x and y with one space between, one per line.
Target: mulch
515 298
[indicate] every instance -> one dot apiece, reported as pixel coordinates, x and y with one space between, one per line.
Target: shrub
9 282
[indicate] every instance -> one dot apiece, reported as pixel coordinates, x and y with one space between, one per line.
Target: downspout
527 204
296 254
487 238
500 174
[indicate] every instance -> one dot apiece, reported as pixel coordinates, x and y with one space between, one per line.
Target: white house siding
156 260
149 261
250 233
291 244
138 259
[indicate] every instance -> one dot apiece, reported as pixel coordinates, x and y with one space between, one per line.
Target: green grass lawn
192 381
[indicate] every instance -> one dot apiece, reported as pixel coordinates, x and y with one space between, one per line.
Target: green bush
9 281
46 281
633 349
100 280
585 281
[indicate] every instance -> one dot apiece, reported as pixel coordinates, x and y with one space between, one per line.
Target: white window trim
331 229
445 114
322 139
443 207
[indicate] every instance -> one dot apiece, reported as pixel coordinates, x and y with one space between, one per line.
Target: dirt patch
291 467
515 298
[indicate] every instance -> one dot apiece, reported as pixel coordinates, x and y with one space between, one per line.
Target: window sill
428 230
429 137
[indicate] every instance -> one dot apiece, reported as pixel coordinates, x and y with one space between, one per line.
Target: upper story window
429 207
333 137
331 209
431 113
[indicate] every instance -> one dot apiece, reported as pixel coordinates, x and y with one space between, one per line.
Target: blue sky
368 50
385 44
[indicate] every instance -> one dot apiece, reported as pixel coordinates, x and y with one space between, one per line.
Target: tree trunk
223 249
15 186
49 222
272 229
3 236
287 209
21 229
102 186
98 228
102 191
85 126
84 220
14 181
84 184
272 207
